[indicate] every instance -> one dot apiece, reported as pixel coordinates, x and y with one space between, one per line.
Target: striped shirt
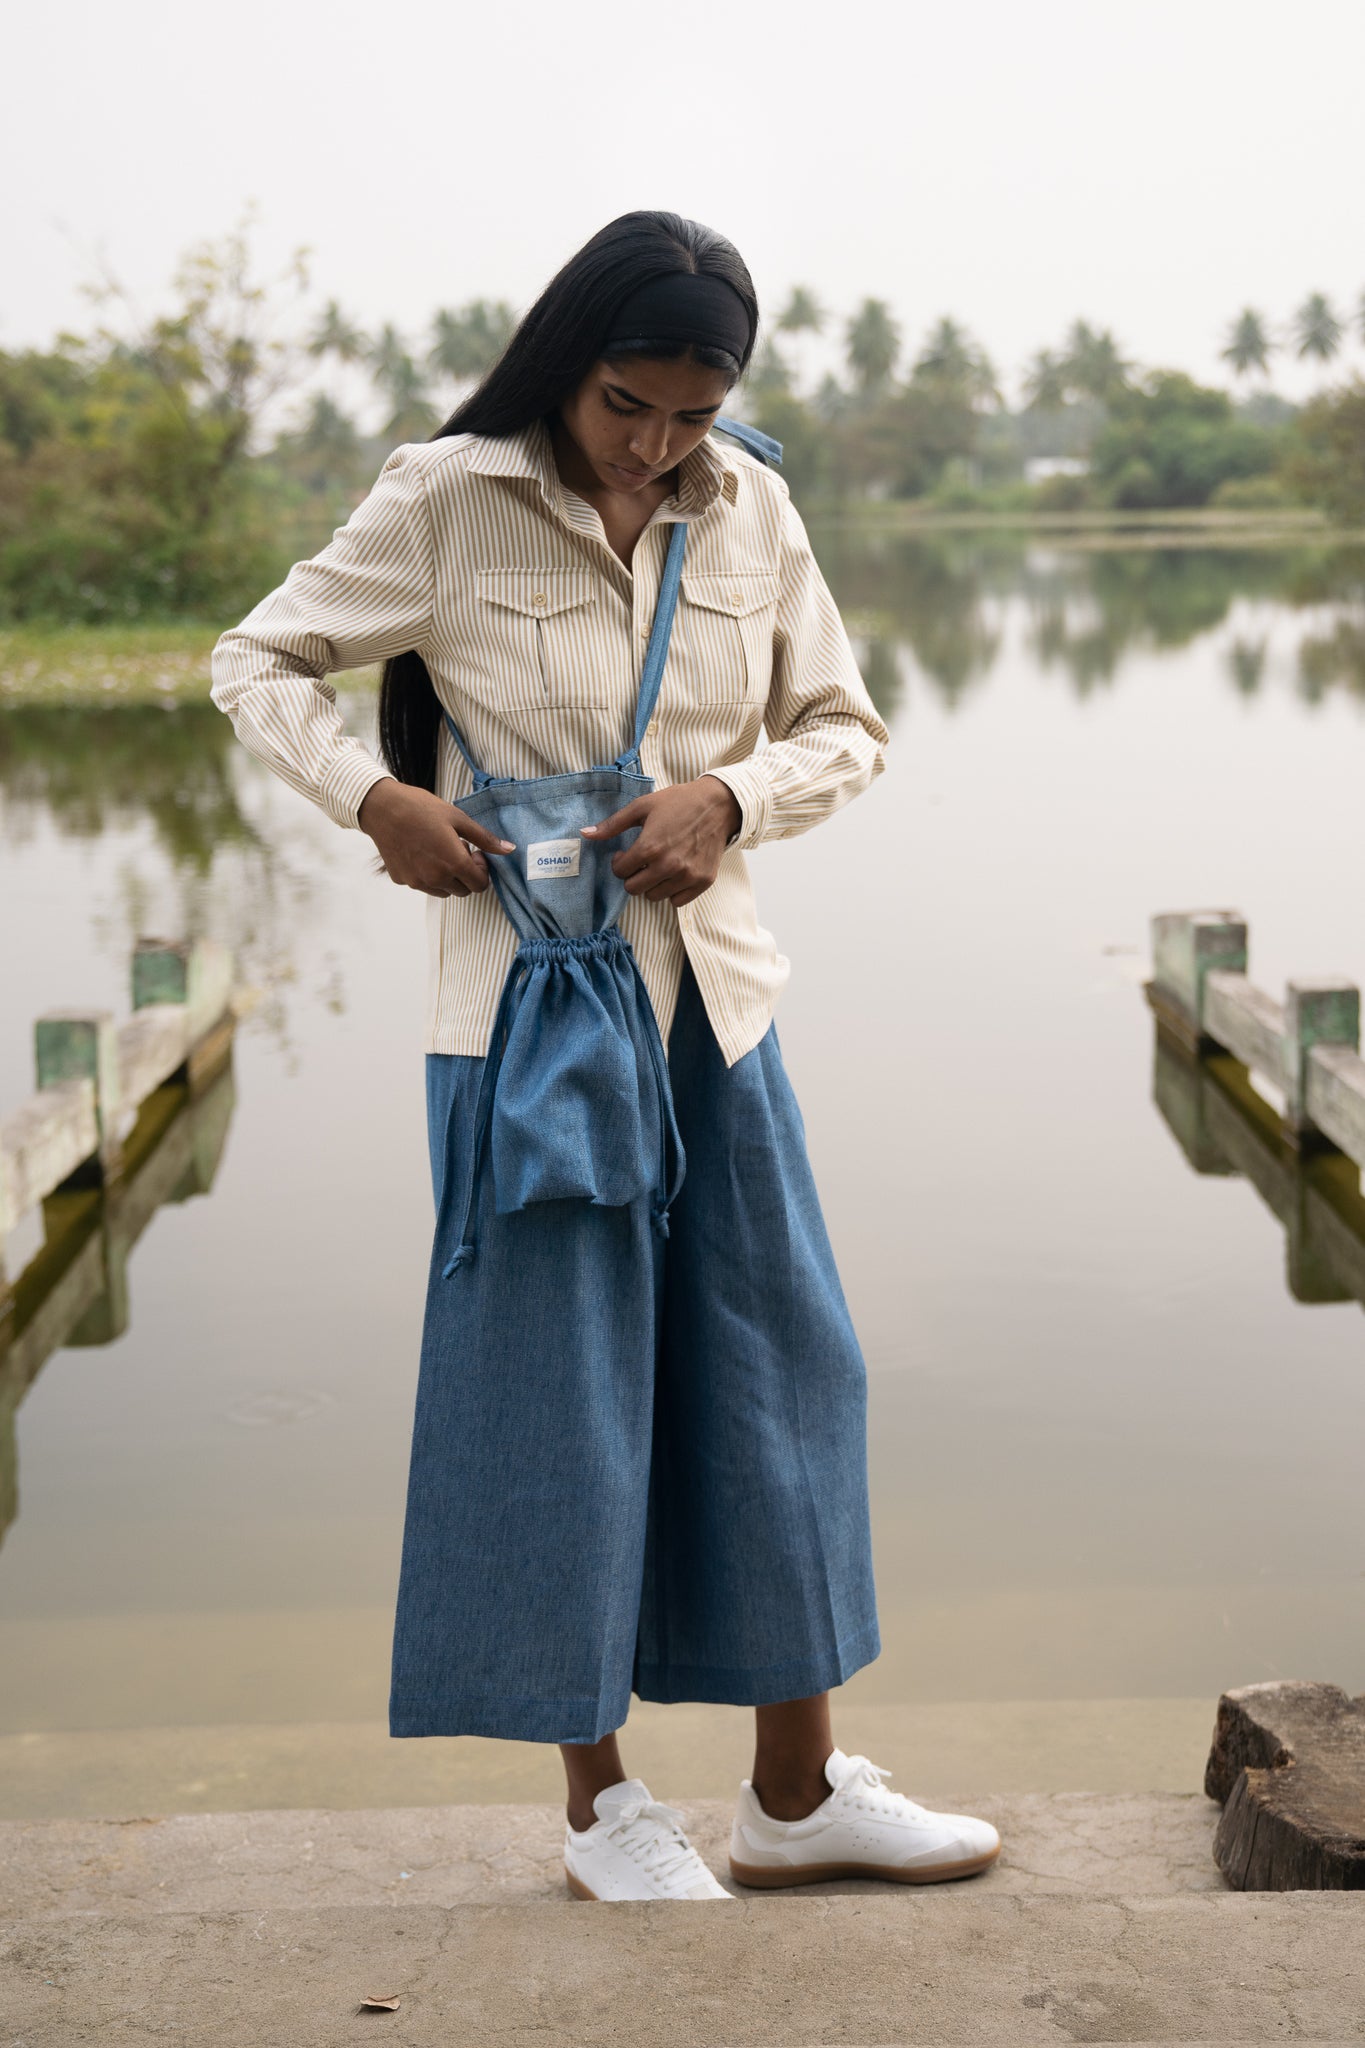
471 551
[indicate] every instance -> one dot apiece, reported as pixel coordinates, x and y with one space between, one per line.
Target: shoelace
864 1783
664 1856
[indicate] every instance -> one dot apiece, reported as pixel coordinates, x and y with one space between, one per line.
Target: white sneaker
636 1849
861 1830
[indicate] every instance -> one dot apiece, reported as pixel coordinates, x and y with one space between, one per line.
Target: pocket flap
539 592
737 592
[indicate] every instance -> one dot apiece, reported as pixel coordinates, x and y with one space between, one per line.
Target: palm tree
1317 328
1093 364
950 356
769 370
337 336
873 342
1045 384
802 314
1249 345
411 413
467 342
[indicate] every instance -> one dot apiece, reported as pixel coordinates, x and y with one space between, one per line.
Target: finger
655 880
478 835
633 858
471 871
634 813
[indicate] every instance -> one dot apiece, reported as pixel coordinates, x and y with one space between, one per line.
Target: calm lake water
1112 1453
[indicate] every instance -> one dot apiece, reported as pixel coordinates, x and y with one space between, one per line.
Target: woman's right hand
421 840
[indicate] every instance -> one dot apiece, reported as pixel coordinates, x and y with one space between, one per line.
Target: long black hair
549 355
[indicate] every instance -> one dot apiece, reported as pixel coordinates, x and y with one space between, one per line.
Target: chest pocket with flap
726 620
544 643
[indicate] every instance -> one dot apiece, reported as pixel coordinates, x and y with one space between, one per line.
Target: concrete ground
126 1921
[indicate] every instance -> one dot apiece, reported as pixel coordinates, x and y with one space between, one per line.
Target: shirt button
736 600
539 600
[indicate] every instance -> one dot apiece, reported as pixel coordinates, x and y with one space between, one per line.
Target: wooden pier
1307 1047
125 1118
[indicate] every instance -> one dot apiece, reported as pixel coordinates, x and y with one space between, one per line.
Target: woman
639 1459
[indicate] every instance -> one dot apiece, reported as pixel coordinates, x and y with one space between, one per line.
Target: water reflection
92 768
201 858
1225 1128
941 600
74 1292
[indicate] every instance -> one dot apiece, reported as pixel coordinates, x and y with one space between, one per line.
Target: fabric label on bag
549 858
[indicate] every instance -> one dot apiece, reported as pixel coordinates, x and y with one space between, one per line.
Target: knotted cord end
659 1219
463 1255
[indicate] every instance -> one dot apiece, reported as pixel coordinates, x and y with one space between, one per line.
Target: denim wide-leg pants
638 1463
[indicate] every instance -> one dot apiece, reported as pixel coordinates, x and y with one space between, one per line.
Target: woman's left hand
683 832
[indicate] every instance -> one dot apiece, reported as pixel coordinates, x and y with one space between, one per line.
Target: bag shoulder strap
656 654
751 440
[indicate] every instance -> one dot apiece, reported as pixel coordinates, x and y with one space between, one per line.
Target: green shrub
1252 494
1063 493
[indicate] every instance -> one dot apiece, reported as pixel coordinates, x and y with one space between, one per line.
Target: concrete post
1186 944
1318 1012
82 1045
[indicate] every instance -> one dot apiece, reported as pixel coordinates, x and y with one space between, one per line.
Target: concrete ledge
905 1966
1113 1745
1068 1842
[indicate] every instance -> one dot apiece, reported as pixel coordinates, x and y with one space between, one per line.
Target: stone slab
956 1965
1066 1842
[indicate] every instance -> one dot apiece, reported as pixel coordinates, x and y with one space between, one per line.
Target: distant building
1040 466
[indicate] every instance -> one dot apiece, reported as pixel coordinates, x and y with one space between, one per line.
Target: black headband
682 306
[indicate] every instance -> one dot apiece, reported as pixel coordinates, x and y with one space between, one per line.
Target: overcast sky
1153 168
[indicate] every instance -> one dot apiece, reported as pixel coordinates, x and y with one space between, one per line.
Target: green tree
467 342
1172 442
336 335
1045 382
950 357
1325 464
1317 329
1093 365
1249 344
128 475
873 343
769 370
802 314
326 450
411 415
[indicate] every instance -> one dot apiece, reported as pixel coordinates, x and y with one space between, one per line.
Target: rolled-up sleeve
826 740
367 596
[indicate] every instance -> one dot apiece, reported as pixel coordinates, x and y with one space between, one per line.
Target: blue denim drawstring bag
574 1100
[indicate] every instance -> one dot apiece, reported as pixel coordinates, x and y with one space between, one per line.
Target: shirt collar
705 474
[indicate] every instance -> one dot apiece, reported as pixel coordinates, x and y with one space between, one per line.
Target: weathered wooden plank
1334 1096
1288 1765
1247 1022
152 1046
43 1143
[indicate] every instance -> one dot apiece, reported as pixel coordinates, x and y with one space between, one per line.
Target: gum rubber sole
578 1888
768 1878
